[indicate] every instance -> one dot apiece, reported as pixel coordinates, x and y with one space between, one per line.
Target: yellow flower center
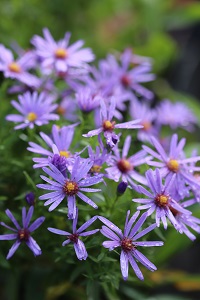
161 200
173 165
14 67
95 169
108 126
124 165
31 117
70 188
64 153
61 53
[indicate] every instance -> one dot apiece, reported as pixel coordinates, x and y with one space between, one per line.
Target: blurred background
169 32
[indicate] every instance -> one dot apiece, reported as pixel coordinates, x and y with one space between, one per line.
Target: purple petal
89 232
149 243
111 225
12 218
36 224
135 267
86 224
10 236
139 223
29 216
130 223
66 242
144 260
145 231
109 234
58 231
13 249
80 250
32 244
87 200
75 221
71 207
124 264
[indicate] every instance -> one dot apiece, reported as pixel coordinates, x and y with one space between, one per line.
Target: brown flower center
60 110
14 67
73 238
23 235
124 165
127 244
125 81
70 188
161 200
61 53
173 165
147 125
108 126
31 117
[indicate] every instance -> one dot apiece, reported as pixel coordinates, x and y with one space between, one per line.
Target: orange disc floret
61 53
31 117
108 126
162 200
70 188
124 165
173 165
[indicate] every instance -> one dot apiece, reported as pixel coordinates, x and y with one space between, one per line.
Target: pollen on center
124 165
108 126
64 153
70 188
162 200
31 117
61 53
173 165
14 67
146 125
127 244
95 169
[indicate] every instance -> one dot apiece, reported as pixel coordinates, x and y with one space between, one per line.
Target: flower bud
30 198
121 188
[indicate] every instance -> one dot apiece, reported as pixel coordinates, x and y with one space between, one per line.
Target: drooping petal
124 264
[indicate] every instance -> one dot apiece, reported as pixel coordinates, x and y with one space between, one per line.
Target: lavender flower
175 163
69 187
59 55
87 100
17 69
34 110
22 234
129 244
108 125
73 237
122 167
59 143
182 116
160 199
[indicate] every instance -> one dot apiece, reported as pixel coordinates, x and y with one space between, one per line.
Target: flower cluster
85 152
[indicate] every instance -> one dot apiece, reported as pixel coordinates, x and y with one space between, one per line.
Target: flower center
127 244
147 125
31 117
173 165
73 238
61 53
95 169
60 110
64 153
125 80
124 166
162 200
23 235
14 67
70 188
108 126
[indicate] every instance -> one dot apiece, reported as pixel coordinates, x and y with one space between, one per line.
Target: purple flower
175 163
108 125
129 244
71 187
182 116
73 237
122 166
17 69
86 99
67 108
59 55
34 110
147 116
160 199
59 143
22 234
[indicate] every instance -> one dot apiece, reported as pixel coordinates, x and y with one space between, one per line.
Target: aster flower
74 237
58 145
160 200
121 167
17 69
22 233
67 108
182 116
59 55
128 243
71 187
86 99
185 220
34 109
175 163
108 125
148 117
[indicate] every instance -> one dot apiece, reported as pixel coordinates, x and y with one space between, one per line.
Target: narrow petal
109 233
87 200
145 231
139 223
80 250
86 224
13 249
58 231
89 232
144 260
111 225
11 236
36 224
149 243
135 267
124 264
35 248
12 218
